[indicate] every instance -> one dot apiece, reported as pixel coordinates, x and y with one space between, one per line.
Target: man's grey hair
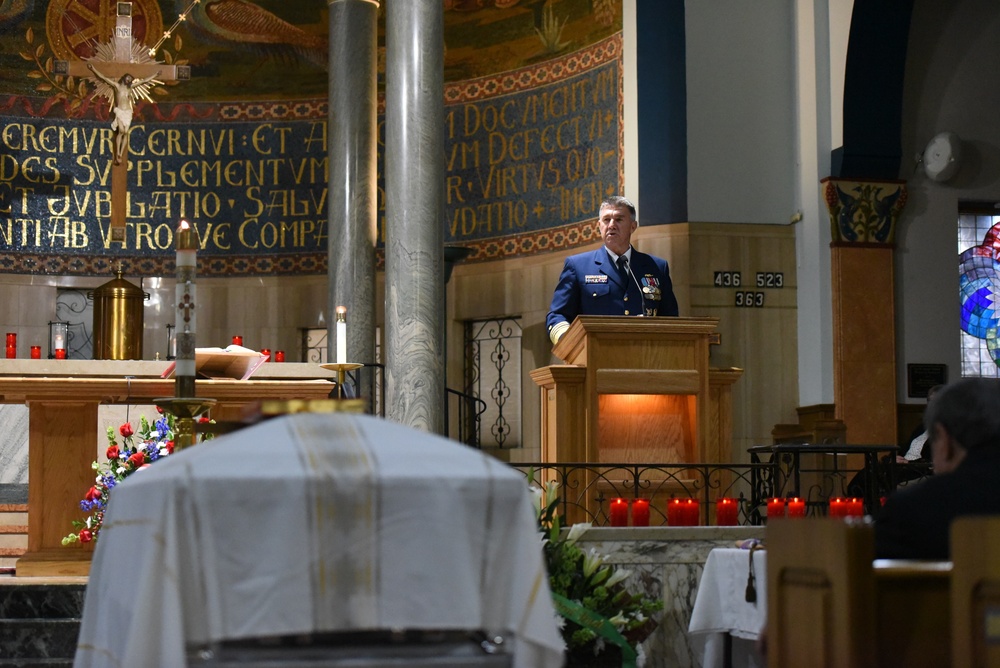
618 200
969 410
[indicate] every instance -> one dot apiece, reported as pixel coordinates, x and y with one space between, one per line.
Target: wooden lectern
636 390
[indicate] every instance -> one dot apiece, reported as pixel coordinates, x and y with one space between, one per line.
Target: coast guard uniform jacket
590 284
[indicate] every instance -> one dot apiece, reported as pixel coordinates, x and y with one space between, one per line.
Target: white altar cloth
316 523
720 607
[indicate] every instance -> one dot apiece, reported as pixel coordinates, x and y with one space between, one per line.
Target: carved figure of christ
128 80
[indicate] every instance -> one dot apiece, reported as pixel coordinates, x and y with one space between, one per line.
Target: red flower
125 430
113 453
159 410
170 447
204 418
86 536
138 459
93 494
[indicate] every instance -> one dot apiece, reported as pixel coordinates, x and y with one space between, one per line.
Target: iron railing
493 373
469 417
470 408
586 490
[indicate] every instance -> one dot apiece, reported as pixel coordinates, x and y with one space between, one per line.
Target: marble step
13 532
39 623
31 640
41 601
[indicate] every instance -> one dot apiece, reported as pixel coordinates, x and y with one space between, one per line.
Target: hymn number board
749 298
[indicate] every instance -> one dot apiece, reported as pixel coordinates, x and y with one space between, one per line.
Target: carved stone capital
863 212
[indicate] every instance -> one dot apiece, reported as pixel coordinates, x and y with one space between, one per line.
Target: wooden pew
912 612
975 592
820 586
830 605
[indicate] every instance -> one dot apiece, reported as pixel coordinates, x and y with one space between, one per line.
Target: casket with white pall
318 536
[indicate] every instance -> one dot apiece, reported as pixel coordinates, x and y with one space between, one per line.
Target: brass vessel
118 319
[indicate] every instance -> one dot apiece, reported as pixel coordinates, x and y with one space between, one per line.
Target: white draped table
721 608
316 524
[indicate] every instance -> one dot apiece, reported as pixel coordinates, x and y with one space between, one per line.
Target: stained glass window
979 292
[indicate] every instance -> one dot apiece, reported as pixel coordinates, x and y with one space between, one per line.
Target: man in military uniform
615 279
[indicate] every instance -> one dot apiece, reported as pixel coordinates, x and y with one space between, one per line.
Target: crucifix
124 72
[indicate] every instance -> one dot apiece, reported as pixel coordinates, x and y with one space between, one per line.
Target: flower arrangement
601 617
138 450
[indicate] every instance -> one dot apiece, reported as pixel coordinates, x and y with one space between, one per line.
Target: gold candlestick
341 370
185 409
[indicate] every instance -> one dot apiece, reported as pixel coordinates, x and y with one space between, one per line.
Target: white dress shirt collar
614 257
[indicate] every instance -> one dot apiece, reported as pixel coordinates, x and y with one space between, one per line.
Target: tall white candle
186 242
341 335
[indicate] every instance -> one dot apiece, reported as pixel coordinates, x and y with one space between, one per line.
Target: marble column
414 186
353 186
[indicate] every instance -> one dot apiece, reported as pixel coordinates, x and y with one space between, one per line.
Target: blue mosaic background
519 165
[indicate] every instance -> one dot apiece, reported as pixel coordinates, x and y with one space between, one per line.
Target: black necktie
621 267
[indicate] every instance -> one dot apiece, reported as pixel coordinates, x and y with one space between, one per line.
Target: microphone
642 295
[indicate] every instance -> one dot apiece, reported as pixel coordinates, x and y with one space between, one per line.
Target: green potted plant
603 622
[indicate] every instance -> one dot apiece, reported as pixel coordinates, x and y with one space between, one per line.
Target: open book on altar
233 361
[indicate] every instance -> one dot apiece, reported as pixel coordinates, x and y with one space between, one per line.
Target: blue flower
88 506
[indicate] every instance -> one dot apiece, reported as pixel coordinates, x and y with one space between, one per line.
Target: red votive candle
279 355
775 507
692 513
619 512
11 338
855 507
796 507
237 340
640 512
36 352
838 507
11 352
674 513
266 352
726 512
60 353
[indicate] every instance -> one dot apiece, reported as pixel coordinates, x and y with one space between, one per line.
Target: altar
63 397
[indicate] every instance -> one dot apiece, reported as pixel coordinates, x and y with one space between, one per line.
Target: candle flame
187 236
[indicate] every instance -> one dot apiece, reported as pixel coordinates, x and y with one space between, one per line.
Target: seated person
895 469
962 421
918 450
615 279
918 453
